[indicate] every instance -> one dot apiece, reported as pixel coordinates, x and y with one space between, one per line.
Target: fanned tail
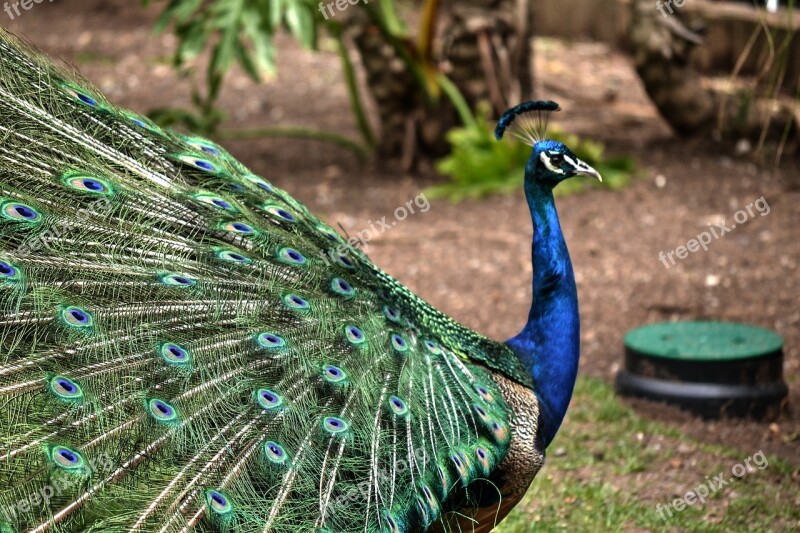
176 354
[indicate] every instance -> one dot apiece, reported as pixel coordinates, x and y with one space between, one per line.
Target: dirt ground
472 259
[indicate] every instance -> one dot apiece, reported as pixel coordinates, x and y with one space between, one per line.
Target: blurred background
689 108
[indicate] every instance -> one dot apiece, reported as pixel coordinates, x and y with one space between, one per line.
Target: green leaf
257 30
276 13
301 23
242 32
193 37
178 11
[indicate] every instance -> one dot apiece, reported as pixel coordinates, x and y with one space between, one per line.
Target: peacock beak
582 169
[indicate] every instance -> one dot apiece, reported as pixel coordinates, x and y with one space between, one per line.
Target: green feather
176 351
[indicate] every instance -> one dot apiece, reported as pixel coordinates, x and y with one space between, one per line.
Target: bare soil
472 259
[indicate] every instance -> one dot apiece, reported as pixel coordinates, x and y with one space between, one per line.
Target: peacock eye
66 458
557 159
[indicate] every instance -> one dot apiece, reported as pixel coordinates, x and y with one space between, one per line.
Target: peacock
184 346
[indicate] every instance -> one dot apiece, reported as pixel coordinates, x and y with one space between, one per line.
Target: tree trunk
485 50
662 44
489 48
396 94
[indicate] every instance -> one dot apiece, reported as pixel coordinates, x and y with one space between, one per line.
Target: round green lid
703 341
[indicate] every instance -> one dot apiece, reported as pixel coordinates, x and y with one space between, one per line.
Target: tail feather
185 346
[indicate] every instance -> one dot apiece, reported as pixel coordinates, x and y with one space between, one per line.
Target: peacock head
551 162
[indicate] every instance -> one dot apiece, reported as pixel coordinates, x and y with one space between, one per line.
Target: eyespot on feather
342 288
77 317
67 458
275 453
270 341
162 411
268 399
334 425
65 389
9 272
295 302
88 184
218 503
178 280
19 212
175 354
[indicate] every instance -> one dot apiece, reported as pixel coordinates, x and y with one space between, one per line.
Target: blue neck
549 344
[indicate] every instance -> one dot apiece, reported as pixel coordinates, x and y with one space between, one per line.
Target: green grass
605 473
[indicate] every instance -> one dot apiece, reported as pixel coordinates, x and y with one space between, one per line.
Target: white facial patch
571 161
552 168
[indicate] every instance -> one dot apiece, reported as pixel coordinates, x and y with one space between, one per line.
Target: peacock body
178 353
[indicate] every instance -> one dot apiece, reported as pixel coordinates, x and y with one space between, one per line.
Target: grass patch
608 468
